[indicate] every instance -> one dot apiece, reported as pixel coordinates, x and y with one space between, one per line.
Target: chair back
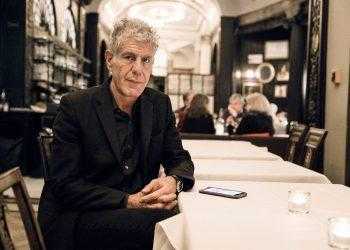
13 179
314 141
45 141
296 137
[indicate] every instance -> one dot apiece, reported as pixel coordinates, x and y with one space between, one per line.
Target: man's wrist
179 183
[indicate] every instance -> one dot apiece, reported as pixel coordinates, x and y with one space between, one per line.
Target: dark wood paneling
91 46
12 50
297 62
229 49
103 67
254 43
316 63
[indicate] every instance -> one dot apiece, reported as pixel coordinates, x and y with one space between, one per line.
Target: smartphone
224 192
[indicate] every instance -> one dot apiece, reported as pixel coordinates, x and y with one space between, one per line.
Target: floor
13 218
34 187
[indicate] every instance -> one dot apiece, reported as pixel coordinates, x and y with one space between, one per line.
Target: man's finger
170 205
152 196
155 205
152 186
166 198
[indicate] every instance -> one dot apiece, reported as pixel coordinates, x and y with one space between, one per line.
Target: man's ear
108 57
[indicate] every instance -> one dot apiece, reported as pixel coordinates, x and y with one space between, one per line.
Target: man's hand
134 201
160 193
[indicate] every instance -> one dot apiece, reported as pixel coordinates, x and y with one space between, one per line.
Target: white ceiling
179 22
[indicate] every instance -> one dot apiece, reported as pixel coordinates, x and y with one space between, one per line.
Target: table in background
232 150
259 221
276 144
238 170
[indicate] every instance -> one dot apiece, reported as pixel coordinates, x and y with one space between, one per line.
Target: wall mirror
265 72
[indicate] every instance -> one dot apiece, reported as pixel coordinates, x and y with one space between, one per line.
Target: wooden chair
45 140
13 178
296 137
314 141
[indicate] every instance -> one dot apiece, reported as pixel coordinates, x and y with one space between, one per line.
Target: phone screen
229 192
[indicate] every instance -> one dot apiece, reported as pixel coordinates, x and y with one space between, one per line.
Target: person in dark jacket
181 112
257 119
198 119
103 189
233 113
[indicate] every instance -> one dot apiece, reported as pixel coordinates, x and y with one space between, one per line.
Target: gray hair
127 28
235 97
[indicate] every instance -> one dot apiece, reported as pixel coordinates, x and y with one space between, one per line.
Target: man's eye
129 58
147 60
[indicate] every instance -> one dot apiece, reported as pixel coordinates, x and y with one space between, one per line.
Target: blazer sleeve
66 181
175 159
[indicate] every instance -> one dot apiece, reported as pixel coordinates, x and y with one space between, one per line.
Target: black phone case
237 196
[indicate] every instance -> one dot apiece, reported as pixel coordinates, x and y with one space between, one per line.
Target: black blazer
201 125
85 171
255 122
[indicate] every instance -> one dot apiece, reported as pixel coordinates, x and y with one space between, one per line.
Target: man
181 112
233 114
103 190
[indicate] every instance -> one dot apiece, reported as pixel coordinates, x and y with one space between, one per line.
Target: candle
299 201
339 232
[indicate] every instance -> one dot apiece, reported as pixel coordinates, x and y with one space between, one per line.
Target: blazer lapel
146 122
104 108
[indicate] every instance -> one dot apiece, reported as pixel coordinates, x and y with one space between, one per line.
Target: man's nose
137 66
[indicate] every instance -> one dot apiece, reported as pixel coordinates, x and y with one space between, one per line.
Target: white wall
239 7
184 58
338 57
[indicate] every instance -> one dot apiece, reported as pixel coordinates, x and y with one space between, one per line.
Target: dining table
261 220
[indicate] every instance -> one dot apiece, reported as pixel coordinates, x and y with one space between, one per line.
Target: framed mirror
265 72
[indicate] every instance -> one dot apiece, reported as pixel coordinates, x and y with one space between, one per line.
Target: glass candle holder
299 201
339 232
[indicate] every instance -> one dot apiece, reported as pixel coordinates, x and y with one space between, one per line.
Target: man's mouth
134 81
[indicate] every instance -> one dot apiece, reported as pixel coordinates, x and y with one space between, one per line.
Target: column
205 55
91 46
228 54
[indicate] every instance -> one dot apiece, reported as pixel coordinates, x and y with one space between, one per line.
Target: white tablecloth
237 170
259 221
233 150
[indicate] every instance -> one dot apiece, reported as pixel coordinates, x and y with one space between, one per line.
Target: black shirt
129 136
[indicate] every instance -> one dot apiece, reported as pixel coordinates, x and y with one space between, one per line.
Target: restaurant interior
293 53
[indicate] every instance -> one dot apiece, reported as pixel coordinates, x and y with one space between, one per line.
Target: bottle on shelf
4 104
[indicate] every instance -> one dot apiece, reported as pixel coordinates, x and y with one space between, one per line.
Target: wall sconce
238 74
249 74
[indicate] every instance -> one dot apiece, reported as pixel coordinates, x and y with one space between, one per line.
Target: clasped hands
159 193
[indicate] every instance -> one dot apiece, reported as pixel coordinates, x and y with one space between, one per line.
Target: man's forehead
137 47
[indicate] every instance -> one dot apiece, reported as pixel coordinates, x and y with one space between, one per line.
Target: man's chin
135 92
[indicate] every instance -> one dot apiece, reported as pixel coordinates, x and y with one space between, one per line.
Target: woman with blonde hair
198 119
257 119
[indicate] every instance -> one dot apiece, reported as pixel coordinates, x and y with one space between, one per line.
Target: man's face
236 105
131 67
189 99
